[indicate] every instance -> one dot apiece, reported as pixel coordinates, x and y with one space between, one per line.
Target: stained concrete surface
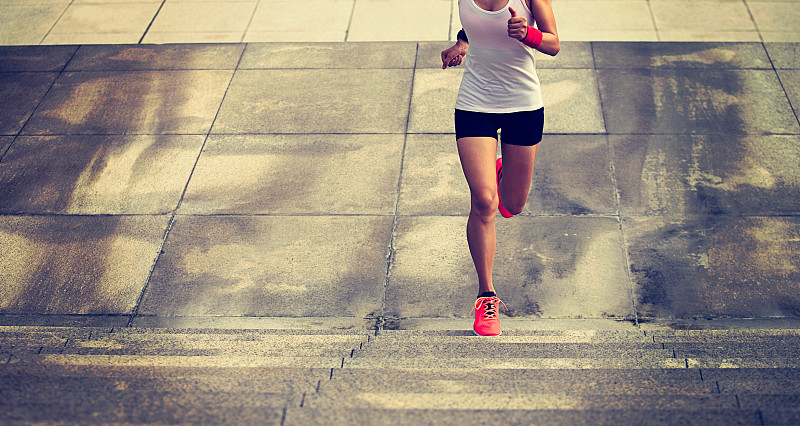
156 57
5 143
275 180
271 266
791 83
22 58
20 93
715 266
692 101
296 174
677 175
784 55
77 264
138 102
364 55
316 101
97 174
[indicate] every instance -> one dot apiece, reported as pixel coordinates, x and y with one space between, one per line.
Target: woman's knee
485 202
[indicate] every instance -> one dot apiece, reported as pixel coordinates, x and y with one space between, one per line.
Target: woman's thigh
518 162
478 155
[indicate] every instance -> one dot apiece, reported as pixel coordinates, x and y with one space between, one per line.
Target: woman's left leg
515 183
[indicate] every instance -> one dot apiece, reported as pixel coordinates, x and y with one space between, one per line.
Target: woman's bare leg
518 162
478 162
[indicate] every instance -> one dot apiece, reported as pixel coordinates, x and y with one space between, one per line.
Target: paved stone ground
149 183
316 186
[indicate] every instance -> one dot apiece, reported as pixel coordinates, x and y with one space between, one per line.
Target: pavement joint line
151 22
390 250
63 12
780 81
753 20
615 185
250 21
350 22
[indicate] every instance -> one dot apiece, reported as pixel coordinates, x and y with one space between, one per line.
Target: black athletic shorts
518 128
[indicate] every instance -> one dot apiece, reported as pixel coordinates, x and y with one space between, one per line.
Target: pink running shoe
487 319
503 211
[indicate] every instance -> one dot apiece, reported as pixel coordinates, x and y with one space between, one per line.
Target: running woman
499 90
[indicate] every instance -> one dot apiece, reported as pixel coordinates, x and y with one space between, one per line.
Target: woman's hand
517 25
453 56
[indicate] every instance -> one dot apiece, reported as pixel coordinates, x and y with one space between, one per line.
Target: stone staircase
299 377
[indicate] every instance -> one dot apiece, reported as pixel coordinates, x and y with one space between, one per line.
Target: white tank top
500 72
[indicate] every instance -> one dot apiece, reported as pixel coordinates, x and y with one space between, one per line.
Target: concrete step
749 374
519 336
788 336
237 374
509 350
572 382
373 416
141 375
149 409
179 361
128 381
21 343
739 349
477 399
635 361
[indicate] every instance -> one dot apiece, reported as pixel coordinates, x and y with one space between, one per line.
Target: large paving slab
91 22
271 266
693 101
408 20
97 174
128 57
677 175
20 93
137 102
27 23
316 101
715 266
76 264
296 174
682 55
545 266
362 55
35 58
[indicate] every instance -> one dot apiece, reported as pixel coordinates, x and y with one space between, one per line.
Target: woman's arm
453 56
546 23
545 38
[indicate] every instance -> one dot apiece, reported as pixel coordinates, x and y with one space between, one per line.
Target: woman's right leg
478 156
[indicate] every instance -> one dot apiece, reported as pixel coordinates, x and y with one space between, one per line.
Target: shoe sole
488 335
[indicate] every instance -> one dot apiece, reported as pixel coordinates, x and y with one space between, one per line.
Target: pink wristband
533 38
